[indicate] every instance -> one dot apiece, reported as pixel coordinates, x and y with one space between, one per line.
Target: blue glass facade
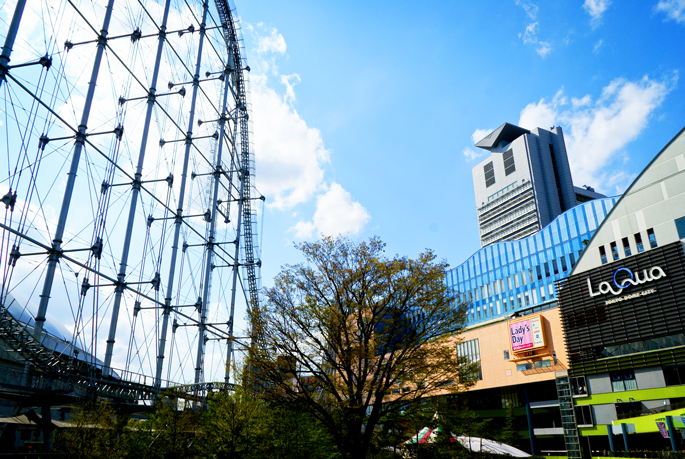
519 275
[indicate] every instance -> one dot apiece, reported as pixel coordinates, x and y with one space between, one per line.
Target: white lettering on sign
637 278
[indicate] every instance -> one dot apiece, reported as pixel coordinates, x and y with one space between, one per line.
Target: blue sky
365 113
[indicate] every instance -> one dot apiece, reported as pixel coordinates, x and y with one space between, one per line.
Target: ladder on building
568 415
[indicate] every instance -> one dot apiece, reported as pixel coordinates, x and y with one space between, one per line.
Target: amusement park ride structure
129 200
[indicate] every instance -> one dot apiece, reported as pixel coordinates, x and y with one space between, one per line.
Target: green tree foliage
509 434
236 425
169 433
351 329
232 425
95 432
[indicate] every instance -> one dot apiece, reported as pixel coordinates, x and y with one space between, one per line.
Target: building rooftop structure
524 184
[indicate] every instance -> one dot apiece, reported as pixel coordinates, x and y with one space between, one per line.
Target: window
499 309
516 280
489 171
572 257
524 366
623 380
542 293
492 310
638 243
614 250
509 165
579 386
564 267
543 363
555 266
471 351
674 374
512 306
504 304
509 282
584 416
626 246
539 270
546 269
680 226
518 300
652 238
602 254
506 355
551 290
530 275
526 299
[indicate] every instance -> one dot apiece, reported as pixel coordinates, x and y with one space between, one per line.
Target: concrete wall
494 339
654 200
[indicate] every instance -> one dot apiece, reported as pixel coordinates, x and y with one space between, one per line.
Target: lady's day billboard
526 334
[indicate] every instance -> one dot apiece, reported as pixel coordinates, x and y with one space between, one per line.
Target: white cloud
336 213
584 101
471 155
530 8
542 114
596 9
479 134
674 9
289 153
596 133
598 45
530 36
274 43
290 81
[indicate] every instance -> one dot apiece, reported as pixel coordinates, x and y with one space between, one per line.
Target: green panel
638 395
645 424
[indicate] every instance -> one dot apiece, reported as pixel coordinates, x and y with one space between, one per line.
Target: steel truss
159 185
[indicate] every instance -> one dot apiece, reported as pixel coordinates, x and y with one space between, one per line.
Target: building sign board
608 305
526 334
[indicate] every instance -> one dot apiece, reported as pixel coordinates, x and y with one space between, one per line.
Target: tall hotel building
524 184
534 226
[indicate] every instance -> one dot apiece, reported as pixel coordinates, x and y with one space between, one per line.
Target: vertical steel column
672 433
212 227
9 39
179 212
624 431
121 278
229 349
56 250
610 434
529 416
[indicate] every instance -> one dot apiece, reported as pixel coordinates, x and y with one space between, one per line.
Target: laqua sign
624 278
526 334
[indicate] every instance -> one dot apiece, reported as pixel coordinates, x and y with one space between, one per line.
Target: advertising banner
526 334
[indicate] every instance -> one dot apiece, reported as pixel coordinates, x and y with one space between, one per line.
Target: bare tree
351 330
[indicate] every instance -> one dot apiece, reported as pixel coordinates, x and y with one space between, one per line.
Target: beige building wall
494 339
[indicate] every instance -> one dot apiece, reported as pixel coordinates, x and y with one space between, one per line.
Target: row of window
626 246
519 301
635 347
514 301
471 351
546 270
503 191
